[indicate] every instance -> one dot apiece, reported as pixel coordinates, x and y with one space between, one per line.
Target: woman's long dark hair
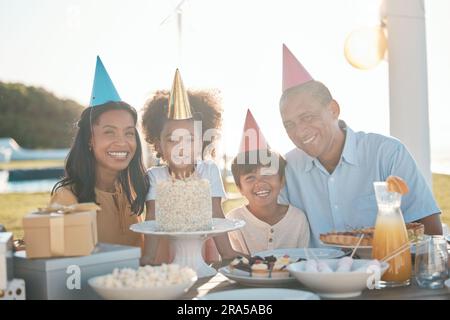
80 162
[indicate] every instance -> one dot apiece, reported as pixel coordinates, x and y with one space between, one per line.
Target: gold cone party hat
179 107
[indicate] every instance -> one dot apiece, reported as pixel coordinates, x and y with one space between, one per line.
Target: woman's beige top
115 218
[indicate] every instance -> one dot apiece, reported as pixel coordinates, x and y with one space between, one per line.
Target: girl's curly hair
205 105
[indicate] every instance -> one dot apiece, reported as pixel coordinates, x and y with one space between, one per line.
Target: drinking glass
431 260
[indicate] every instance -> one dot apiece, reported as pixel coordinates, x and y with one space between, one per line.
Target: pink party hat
252 137
294 73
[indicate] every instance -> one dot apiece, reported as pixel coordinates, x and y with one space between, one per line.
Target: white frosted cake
183 205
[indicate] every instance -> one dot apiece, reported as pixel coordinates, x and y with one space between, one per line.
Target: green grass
441 191
13 206
32 164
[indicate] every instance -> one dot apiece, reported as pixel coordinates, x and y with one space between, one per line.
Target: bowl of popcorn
165 282
338 278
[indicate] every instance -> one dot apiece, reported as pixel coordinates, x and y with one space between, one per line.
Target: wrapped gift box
60 231
66 278
6 259
14 291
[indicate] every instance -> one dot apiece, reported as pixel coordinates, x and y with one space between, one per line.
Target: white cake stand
188 245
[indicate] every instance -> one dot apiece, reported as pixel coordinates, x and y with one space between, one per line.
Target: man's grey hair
315 89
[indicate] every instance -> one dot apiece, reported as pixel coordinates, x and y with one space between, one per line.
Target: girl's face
261 188
114 140
177 143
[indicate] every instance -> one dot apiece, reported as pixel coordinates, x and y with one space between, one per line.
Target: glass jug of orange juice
390 233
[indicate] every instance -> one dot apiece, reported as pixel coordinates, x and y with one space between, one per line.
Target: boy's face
261 188
178 143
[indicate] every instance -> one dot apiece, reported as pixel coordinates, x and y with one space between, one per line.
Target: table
412 292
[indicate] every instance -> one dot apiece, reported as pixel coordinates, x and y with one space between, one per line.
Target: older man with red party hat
330 174
259 174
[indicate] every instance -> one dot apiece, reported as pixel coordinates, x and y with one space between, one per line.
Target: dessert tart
350 238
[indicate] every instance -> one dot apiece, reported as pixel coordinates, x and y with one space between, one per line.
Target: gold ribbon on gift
77 207
57 212
56 234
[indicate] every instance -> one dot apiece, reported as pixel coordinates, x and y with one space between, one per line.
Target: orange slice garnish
397 184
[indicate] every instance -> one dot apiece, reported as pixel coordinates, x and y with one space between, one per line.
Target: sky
233 46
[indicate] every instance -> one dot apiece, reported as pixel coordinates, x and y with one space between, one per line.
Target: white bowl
335 284
152 293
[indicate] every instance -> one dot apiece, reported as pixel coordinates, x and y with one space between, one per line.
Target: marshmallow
311 266
344 264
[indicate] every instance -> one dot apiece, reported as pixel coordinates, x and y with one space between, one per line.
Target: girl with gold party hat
174 125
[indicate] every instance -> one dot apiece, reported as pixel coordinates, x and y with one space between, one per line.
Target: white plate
218 226
447 283
345 246
261 294
244 278
296 253
364 252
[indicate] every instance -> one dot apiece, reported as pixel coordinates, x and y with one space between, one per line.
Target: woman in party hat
193 114
258 172
105 166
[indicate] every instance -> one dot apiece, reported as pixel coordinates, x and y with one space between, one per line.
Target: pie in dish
351 238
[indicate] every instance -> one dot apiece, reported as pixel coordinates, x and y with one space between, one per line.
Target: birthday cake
184 205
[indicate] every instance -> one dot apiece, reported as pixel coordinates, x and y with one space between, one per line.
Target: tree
36 118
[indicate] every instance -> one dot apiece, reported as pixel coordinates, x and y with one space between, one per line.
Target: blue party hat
103 89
